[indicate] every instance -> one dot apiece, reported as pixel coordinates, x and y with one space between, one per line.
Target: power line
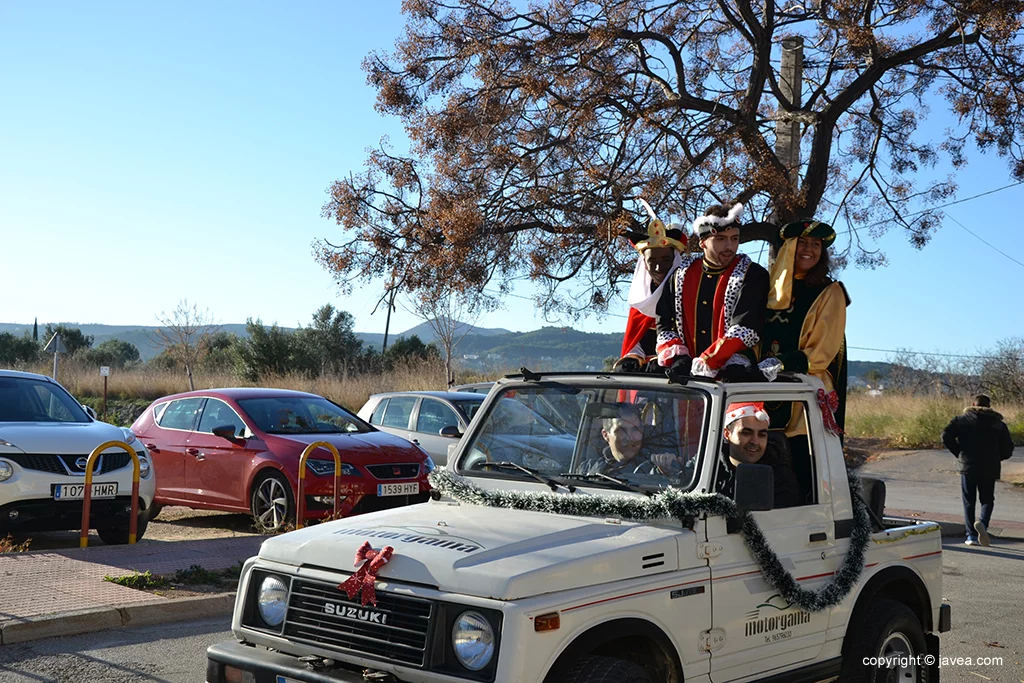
944 206
922 353
982 239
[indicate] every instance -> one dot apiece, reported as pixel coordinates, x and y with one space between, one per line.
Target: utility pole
787 126
387 323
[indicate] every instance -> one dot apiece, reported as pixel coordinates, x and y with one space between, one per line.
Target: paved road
929 481
173 653
982 584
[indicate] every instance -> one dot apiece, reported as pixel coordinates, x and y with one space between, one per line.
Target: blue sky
154 152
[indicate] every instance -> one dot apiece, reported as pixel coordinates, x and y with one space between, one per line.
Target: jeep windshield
624 436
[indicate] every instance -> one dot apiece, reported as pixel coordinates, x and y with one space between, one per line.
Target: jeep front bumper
259 665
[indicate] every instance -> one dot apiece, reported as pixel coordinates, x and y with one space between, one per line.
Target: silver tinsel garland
671 503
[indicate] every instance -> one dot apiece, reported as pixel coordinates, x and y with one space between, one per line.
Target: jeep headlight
272 600
6 471
129 435
473 640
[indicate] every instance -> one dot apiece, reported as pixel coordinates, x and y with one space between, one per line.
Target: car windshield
626 437
301 415
469 408
23 399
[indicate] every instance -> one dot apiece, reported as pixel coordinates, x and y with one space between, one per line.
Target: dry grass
914 421
7 545
351 392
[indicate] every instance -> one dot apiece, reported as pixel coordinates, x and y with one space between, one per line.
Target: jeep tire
114 531
887 629
606 670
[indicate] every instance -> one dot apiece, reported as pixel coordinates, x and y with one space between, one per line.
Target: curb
958 529
103 618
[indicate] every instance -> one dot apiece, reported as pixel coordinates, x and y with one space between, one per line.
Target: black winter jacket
980 440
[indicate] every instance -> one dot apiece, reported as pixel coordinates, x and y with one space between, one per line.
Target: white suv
46 437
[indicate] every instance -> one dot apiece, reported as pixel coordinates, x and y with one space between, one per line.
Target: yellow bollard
300 503
133 524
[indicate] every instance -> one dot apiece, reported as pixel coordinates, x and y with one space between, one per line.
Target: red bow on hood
364 578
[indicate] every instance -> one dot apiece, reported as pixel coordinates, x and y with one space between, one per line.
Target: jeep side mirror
225 432
90 412
451 431
754 487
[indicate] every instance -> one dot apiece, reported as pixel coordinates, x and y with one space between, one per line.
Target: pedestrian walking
981 441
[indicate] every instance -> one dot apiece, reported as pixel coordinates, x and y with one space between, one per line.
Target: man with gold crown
711 313
805 330
659 255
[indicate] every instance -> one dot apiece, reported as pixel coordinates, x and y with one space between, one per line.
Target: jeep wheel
607 670
115 531
272 505
889 632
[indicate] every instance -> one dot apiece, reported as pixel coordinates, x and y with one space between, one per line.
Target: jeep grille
403 638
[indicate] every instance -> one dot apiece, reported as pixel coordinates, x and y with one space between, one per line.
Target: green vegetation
139 580
195 575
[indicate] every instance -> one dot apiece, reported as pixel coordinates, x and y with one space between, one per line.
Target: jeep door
759 632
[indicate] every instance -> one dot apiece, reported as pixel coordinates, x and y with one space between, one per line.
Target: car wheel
272 503
115 532
891 633
607 670
153 511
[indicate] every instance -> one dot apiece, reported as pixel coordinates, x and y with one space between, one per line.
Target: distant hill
483 349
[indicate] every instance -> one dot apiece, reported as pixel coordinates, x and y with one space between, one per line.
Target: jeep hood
490 552
72 438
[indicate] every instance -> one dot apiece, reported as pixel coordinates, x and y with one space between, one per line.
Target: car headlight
129 435
272 600
325 467
473 640
6 471
144 467
428 465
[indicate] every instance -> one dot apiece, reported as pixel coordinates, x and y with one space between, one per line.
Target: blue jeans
986 494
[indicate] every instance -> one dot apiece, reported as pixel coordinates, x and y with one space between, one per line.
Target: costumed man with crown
805 331
659 250
710 316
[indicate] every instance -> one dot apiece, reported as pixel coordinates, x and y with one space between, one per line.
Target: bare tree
450 316
182 334
534 130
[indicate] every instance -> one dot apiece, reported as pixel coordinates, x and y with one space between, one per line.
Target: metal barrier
300 502
133 523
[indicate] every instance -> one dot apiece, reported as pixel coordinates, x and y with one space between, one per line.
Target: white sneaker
970 541
982 532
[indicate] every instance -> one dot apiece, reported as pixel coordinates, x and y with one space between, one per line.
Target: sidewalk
925 485
62 592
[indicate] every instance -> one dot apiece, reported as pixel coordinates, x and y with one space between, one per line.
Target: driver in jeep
626 452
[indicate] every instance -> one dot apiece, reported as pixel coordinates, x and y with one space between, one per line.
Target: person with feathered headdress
659 250
711 313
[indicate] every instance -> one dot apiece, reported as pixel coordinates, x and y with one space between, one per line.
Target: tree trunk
188 371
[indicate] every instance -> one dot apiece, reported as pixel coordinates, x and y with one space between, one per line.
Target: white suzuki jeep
608 560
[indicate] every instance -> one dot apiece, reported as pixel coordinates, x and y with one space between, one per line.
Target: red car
238 450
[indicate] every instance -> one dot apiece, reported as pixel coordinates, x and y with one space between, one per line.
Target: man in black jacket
980 440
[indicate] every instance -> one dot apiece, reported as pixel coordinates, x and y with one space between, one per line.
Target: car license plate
285 679
409 488
77 491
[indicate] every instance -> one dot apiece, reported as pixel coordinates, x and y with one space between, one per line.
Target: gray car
436 420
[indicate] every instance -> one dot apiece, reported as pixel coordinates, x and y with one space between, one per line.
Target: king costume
640 341
710 313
